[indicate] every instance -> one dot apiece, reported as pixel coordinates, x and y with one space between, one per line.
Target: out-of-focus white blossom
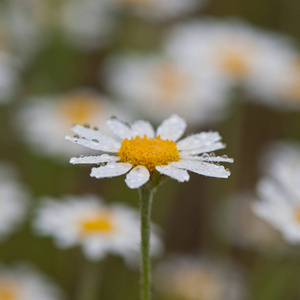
21 282
191 278
100 229
244 54
13 201
45 120
158 86
279 191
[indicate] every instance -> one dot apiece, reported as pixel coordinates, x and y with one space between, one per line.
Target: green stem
146 195
89 286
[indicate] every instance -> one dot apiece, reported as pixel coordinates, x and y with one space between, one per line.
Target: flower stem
146 195
88 288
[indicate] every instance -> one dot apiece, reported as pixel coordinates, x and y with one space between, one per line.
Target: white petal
142 128
200 143
120 129
174 172
172 128
106 144
93 159
111 170
202 168
208 158
137 177
86 132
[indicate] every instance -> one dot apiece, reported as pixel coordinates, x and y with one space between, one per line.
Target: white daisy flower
100 229
160 10
50 117
23 283
13 202
140 151
87 23
157 86
191 278
242 53
279 191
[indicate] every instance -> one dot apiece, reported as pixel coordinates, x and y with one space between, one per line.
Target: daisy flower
157 86
140 151
191 278
100 229
279 191
13 201
244 54
51 116
21 282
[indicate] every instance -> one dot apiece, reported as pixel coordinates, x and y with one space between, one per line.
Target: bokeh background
74 61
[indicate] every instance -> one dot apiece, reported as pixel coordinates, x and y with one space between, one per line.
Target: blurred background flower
22 282
193 278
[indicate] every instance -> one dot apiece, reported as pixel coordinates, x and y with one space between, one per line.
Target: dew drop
95 140
86 125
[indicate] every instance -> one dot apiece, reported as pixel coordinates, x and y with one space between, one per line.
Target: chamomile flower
50 117
161 10
191 278
279 191
100 229
13 201
157 86
140 151
244 54
21 282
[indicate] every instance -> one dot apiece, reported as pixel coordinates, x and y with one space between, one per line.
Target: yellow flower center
234 63
293 91
170 82
98 223
148 152
80 109
297 215
7 292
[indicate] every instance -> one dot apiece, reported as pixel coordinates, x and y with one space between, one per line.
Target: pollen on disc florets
148 152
